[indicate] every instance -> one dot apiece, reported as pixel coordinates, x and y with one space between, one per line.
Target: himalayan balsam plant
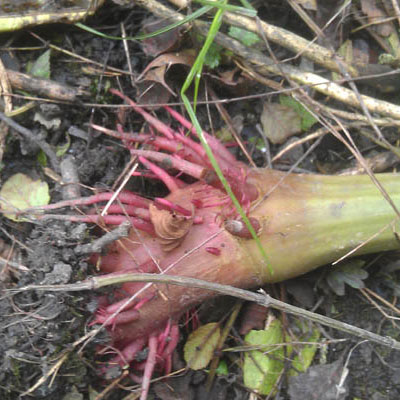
302 221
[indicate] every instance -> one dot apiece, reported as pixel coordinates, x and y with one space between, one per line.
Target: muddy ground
38 328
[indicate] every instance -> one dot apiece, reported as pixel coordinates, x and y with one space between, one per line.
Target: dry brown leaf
361 52
375 15
152 94
167 41
158 75
230 77
153 78
166 60
279 122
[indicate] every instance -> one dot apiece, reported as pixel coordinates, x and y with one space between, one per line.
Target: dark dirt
38 328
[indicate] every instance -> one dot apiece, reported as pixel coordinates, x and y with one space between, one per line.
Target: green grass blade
248 11
247 5
195 73
198 13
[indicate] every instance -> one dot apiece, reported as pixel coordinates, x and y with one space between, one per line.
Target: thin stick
27 134
118 191
261 298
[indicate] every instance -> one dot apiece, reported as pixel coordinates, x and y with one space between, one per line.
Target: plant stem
312 220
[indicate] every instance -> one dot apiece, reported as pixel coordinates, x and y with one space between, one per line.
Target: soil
38 328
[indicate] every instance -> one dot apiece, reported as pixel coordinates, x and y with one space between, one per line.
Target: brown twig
261 298
99 244
43 87
27 134
70 178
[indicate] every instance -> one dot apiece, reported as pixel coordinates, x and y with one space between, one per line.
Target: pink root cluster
190 214
145 355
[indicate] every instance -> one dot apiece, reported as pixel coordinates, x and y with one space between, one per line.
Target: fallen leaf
263 367
153 78
41 67
152 94
53 123
178 388
246 37
351 273
302 291
253 318
200 346
158 75
307 119
375 15
164 42
305 353
184 57
21 192
279 122
308 4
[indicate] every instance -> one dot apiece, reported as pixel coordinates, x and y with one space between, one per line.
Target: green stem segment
312 220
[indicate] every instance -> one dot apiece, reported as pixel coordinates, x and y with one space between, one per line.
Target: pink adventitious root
181 234
196 232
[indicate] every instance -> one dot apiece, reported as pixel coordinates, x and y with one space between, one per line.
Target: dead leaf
178 388
279 122
153 77
232 77
152 94
184 57
376 14
163 42
333 18
360 52
158 75
253 318
380 162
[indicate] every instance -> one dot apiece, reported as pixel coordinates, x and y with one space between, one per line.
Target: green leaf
213 56
258 142
20 192
245 37
222 368
42 158
351 273
307 119
305 353
41 67
263 367
224 135
200 346
62 149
